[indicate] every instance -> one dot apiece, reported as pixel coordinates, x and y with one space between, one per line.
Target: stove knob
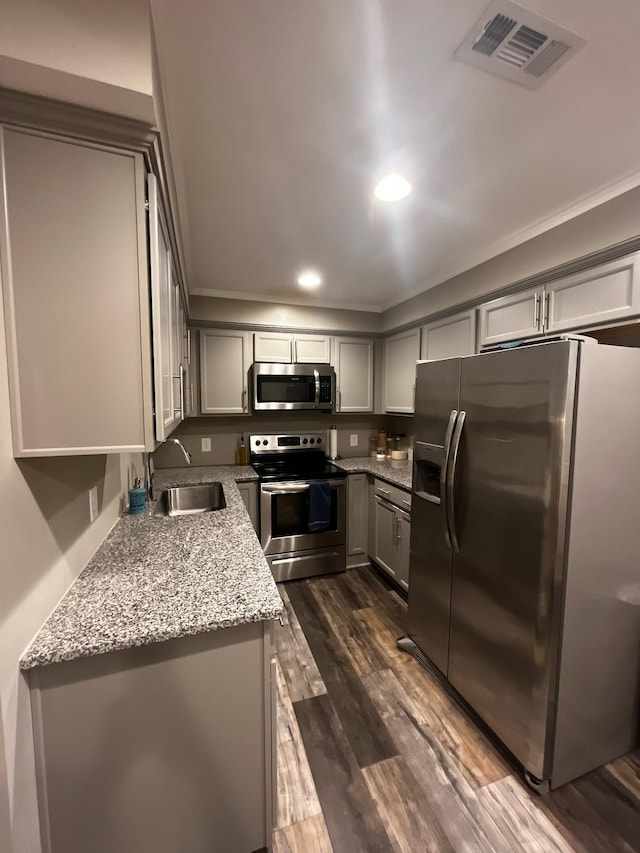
305 440
265 442
258 443
319 440
312 440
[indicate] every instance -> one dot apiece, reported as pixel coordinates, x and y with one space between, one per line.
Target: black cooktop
301 467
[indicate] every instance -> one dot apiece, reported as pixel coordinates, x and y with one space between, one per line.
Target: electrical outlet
354 439
93 503
206 445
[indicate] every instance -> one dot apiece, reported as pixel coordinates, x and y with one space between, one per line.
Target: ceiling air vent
514 43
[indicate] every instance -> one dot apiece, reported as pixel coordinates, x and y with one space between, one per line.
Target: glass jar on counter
373 445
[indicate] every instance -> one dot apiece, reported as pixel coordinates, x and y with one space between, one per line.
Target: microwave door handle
451 480
316 376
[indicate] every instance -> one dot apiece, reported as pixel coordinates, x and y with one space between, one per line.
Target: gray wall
224 432
47 539
604 226
242 311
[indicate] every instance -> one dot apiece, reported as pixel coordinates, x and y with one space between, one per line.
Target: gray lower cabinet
401 352
390 530
353 361
449 337
74 275
225 358
164 747
249 493
357 519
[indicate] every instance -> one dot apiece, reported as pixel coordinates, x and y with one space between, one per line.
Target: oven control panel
287 443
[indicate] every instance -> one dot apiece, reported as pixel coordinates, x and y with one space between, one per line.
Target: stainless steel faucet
150 469
187 455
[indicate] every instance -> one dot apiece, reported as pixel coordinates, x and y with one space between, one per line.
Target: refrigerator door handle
451 480
443 475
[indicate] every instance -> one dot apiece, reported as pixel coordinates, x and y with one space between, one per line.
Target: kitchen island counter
156 578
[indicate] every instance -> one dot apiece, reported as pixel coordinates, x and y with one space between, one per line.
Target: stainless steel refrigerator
524 584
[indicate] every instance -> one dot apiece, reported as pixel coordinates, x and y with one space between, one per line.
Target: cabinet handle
182 412
191 395
398 529
383 491
547 300
188 346
244 398
536 310
339 400
408 503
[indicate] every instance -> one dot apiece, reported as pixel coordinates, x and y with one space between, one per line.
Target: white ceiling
282 113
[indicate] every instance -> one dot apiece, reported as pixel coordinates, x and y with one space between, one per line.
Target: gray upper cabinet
224 364
353 360
312 349
511 317
598 296
449 337
272 347
168 322
284 348
401 352
75 286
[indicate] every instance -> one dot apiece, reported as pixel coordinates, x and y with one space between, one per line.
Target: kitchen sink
186 500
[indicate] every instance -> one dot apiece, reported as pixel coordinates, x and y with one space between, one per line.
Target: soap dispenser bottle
241 454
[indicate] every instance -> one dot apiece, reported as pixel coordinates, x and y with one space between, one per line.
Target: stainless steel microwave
293 386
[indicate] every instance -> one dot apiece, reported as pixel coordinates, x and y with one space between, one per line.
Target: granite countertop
157 578
395 471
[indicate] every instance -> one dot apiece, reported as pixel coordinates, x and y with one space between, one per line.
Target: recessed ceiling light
392 187
309 279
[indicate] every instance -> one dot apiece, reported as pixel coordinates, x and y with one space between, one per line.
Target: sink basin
186 500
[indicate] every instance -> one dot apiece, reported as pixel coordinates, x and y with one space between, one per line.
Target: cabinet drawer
393 494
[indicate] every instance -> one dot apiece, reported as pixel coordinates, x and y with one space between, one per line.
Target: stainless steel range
296 483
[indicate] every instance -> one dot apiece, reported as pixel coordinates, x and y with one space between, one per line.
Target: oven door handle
293 488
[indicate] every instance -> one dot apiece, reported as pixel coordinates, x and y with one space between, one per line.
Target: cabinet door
401 353
272 347
598 296
164 295
403 529
312 349
449 337
73 261
357 515
354 374
511 318
385 536
249 494
224 362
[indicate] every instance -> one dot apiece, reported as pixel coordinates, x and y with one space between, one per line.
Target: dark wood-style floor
373 755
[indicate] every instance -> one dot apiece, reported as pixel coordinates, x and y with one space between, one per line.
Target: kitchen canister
333 443
137 501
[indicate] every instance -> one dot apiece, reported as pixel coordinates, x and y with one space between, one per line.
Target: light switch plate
354 439
206 445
